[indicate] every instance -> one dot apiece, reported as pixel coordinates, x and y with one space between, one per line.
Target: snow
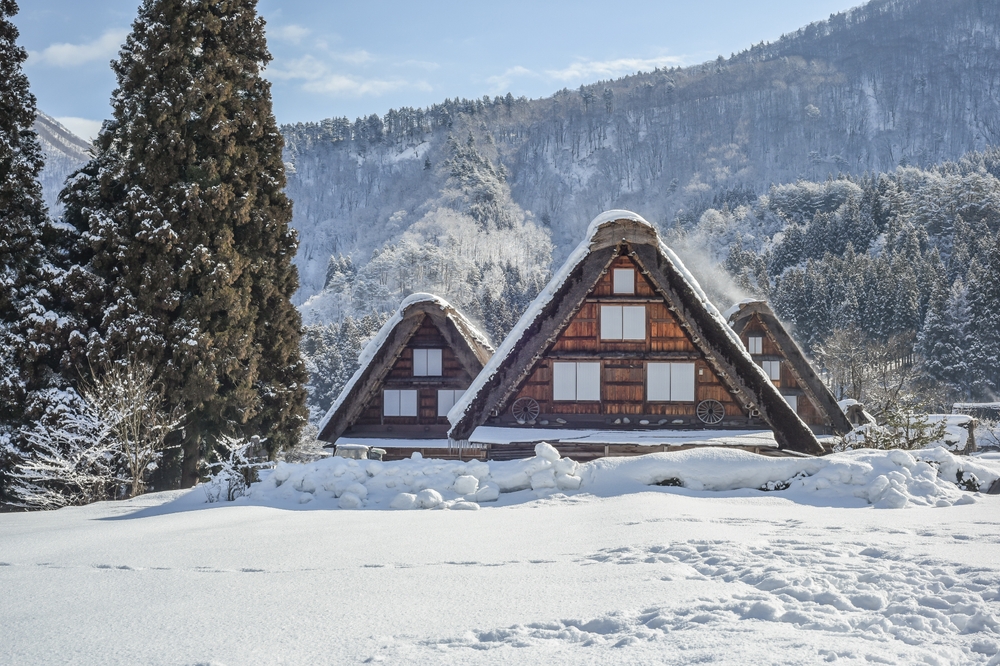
703 437
376 343
386 443
617 572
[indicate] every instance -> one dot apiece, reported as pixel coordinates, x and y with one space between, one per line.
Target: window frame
395 396
615 283
560 375
690 386
422 358
755 344
613 322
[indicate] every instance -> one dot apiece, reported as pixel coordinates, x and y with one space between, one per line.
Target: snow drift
883 479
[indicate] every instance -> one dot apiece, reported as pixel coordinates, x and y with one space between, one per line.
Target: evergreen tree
25 265
187 226
984 307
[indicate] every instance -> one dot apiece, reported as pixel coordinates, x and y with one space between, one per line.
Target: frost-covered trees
183 227
26 319
101 443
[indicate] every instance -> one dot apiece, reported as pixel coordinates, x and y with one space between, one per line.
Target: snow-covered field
614 572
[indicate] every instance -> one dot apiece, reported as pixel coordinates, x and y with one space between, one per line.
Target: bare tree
126 397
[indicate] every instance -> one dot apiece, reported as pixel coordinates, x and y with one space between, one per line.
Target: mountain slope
64 153
894 82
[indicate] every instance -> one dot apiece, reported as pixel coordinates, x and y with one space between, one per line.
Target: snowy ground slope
616 572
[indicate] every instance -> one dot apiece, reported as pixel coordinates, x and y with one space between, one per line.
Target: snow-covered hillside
64 153
901 82
617 572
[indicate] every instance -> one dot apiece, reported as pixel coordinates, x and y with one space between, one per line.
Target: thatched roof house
412 372
622 338
786 364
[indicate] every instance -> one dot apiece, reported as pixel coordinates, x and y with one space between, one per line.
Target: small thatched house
623 338
412 372
786 364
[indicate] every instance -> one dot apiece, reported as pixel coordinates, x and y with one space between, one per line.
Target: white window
426 362
670 382
447 399
623 322
576 381
793 402
399 403
624 281
755 344
773 369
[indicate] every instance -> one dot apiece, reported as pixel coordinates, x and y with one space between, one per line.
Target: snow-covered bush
902 428
101 444
234 473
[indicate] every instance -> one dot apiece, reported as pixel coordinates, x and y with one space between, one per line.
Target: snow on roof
556 283
463 325
704 437
736 307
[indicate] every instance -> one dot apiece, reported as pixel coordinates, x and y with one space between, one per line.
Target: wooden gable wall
427 423
624 366
787 385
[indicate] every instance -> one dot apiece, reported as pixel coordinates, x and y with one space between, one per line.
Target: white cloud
289 33
104 47
501 83
82 127
584 71
354 57
318 77
587 70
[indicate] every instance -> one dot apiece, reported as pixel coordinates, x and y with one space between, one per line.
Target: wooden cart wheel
525 410
710 412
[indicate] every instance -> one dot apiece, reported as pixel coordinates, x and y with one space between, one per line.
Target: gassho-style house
621 353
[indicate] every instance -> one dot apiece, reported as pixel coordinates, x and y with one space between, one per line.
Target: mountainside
895 82
64 153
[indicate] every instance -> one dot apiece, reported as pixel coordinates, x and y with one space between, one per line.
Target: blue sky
358 58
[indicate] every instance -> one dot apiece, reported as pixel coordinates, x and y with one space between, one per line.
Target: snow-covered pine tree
984 322
188 226
24 262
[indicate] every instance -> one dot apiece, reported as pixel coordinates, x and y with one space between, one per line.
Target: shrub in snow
237 471
902 427
429 498
103 443
465 484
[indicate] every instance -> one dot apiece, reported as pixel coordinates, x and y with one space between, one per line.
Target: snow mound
883 479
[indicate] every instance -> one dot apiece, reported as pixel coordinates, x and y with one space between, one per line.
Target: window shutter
624 281
773 369
434 362
657 381
634 322
446 400
408 403
588 381
755 344
419 362
611 322
390 403
564 381
682 382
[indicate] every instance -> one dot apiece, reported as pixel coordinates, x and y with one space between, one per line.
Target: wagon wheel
710 412
525 410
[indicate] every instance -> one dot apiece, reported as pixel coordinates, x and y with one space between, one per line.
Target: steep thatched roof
471 347
803 371
552 310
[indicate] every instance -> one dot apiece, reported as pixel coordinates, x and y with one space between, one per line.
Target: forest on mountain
844 172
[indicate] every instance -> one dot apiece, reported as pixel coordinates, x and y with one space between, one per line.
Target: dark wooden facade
396 393
427 423
678 332
624 367
798 379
